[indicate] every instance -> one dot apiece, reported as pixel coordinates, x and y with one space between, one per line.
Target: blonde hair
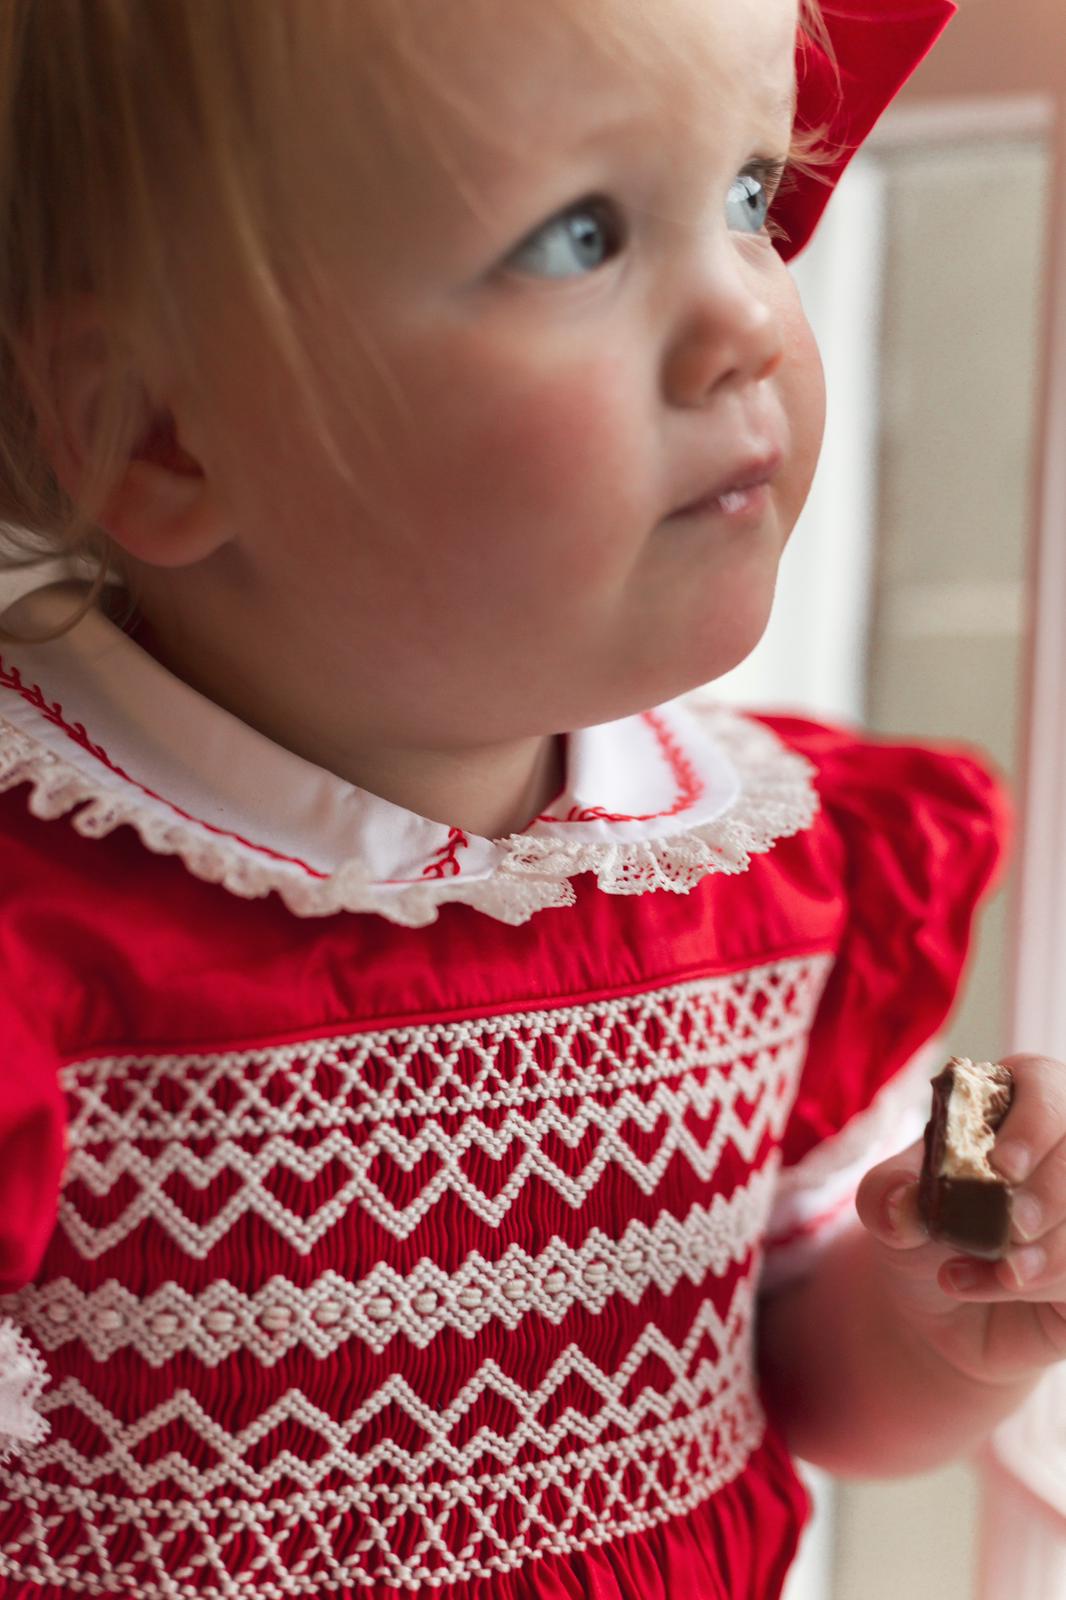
113 115
109 111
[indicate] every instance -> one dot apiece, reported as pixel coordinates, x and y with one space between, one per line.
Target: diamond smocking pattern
517 1089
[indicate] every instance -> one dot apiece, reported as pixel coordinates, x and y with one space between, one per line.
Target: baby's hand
1000 1321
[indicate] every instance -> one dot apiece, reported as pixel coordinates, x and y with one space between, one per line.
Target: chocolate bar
962 1200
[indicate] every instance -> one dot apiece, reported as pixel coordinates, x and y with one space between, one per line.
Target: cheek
560 452
803 393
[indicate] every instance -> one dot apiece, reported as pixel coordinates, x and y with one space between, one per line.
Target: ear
159 504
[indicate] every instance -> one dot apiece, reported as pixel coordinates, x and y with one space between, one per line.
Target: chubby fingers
1030 1152
1035 1126
887 1201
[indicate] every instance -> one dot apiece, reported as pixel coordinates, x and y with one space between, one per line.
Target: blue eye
748 203
573 244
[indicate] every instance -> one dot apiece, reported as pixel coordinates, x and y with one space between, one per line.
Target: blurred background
932 562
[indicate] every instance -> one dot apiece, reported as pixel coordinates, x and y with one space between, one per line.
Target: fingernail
1027 1265
1027 1214
961 1275
1013 1160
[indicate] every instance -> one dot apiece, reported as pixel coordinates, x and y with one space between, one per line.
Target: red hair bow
874 49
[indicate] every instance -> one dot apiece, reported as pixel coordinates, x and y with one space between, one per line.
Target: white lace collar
101 731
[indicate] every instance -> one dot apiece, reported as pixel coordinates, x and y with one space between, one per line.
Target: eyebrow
784 105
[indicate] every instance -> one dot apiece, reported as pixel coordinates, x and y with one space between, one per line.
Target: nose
728 334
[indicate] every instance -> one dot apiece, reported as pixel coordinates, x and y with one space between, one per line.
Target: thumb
887 1201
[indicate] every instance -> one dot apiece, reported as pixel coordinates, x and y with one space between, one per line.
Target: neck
489 790
492 791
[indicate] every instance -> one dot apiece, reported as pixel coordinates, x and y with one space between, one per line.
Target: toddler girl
433 1082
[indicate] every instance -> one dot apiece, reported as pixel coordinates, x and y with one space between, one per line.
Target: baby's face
564 364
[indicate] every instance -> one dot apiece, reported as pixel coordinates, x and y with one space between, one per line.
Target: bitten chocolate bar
962 1200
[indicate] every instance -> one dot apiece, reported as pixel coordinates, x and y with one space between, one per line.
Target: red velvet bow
876 48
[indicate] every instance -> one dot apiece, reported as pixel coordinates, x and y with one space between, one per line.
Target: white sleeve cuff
815 1199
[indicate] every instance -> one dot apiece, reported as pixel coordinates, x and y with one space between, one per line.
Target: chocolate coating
972 1214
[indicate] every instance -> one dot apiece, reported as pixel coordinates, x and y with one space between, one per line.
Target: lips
732 488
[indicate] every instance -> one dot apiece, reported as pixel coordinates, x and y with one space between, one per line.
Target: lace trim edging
777 800
23 1376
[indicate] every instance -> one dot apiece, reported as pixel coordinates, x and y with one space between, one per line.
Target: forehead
518 78
519 56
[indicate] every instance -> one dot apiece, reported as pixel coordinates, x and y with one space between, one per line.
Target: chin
625 685
644 697
709 664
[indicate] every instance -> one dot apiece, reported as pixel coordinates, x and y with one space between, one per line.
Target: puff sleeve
918 834
31 1160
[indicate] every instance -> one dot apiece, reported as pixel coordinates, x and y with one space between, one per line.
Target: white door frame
1023 1529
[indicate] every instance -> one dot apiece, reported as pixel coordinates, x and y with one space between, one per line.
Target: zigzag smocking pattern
385 1305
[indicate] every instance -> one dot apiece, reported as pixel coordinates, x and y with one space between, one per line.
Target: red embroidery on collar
446 863
687 779
11 678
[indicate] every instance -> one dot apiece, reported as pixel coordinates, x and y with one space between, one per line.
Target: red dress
418 1189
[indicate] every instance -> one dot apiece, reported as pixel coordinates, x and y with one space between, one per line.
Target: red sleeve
920 833
31 1148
